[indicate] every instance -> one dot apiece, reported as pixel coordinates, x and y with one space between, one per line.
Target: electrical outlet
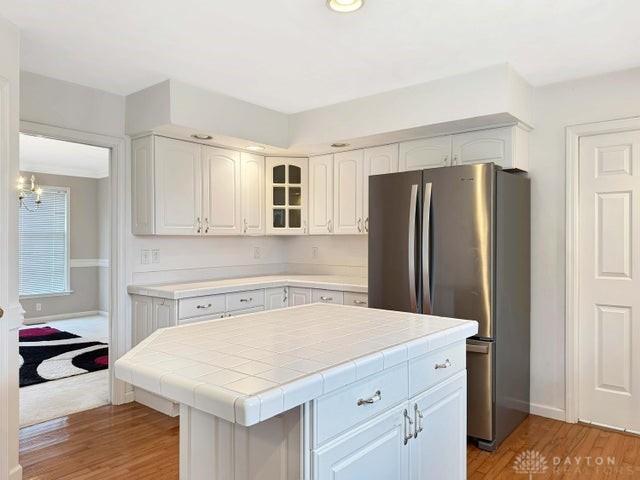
38 307
256 252
155 256
314 252
144 257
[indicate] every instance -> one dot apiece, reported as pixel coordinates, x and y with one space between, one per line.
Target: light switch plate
314 252
256 252
155 256
144 256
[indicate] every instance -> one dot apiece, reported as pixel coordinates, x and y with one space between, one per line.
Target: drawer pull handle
407 427
326 299
446 364
360 302
368 401
204 306
419 417
250 299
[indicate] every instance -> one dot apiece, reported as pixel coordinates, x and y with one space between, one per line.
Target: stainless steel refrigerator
455 242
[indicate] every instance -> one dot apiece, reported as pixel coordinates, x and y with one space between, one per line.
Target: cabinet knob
418 419
366 225
244 230
407 427
1 312
446 364
203 306
206 225
199 225
326 299
246 300
376 397
360 302
360 225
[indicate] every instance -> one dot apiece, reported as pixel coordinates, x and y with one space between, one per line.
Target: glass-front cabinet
286 195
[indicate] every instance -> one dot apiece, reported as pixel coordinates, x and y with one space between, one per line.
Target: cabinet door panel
483 146
276 298
377 161
374 451
299 296
286 196
347 192
425 153
440 449
321 194
178 186
142 211
252 178
221 192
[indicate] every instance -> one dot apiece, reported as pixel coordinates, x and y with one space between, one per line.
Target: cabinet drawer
244 300
199 306
327 296
434 367
346 407
356 299
245 311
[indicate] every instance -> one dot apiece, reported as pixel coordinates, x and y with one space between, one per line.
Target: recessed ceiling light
201 136
255 148
345 6
339 145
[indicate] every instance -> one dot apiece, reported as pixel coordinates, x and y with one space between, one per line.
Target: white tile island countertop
248 369
176 291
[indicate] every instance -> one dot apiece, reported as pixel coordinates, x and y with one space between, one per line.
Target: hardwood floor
133 442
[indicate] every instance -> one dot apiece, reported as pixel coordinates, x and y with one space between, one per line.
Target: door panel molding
573 133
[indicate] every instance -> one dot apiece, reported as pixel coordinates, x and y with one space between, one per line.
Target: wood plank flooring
133 442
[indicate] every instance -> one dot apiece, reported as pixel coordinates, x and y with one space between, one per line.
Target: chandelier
33 191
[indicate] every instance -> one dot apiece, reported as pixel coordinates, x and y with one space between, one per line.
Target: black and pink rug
47 353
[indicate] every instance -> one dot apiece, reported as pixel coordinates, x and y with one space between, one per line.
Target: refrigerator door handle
426 231
413 209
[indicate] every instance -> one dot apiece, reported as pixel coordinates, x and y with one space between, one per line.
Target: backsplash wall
335 255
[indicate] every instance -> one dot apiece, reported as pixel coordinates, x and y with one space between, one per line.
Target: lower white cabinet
422 438
276 298
327 296
375 451
299 296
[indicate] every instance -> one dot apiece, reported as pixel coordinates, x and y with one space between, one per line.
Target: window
44 244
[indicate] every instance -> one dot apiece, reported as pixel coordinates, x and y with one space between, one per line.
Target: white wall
605 97
9 120
336 255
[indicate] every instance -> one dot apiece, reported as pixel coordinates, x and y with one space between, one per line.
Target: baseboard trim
156 402
103 313
548 412
61 316
16 473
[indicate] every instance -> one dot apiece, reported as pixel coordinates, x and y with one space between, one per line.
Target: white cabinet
276 298
327 296
221 192
377 161
178 187
252 203
507 147
374 451
439 446
356 299
286 196
321 194
425 153
299 296
142 201
347 192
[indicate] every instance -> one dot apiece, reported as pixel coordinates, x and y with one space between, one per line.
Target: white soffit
57 157
295 55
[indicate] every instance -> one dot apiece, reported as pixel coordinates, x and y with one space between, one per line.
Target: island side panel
214 449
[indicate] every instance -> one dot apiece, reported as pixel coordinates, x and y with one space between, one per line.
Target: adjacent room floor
134 442
58 398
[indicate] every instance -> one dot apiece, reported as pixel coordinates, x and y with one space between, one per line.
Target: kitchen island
313 392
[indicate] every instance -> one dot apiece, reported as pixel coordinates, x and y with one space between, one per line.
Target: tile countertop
199 289
250 368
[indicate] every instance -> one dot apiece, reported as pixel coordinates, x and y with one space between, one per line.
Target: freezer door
480 388
458 236
394 241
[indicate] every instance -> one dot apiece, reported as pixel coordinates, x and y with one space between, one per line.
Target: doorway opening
64 277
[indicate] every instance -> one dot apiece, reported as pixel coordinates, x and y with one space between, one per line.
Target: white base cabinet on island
387 402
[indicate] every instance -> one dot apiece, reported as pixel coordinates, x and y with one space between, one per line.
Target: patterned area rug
47 353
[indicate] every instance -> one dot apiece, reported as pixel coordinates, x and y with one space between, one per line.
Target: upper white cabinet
425 153
321 194
377 161
178 187
286 195
221 192
347 192
507 147
184 188
252 180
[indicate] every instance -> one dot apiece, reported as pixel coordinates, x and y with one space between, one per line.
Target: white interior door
609 284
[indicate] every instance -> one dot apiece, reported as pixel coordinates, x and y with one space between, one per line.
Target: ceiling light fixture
345 6
201 136
255 148
339 145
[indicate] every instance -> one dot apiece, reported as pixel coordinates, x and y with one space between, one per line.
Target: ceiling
294 55
46 155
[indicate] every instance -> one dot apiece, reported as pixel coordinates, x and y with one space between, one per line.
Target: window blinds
44 244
